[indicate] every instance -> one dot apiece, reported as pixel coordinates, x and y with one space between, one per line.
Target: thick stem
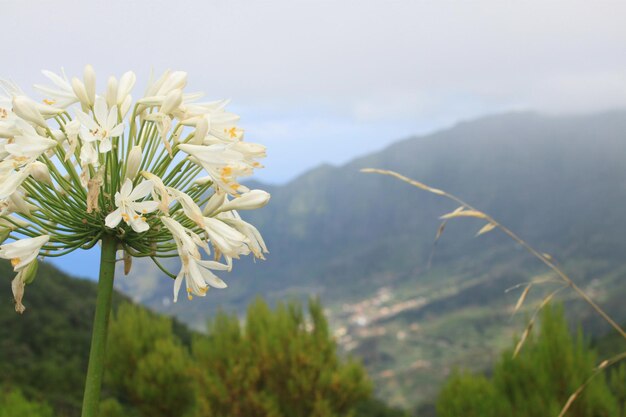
93 383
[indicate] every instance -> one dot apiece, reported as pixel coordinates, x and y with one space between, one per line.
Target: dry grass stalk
467 210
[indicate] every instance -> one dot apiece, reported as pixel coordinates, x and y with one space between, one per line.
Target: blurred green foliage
281 362
539 381
44 351
157 367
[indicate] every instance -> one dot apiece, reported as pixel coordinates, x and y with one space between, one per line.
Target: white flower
166 83
11 182
62 94
85 92
66 159
198 277
222 163
222 125
191 209
103 127
226 239
22 252
24 276
252 200
33 112
160 191
29 143
255 240
195 271
129 209
72 129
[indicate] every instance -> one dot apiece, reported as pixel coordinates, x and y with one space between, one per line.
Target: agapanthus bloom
160 176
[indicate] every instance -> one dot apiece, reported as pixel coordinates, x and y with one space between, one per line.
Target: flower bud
202 128
125 106
17 204
81 93
251 200
111 94
40 172
133 163
172 101
174 80
90 84
214 203
127 82
26 109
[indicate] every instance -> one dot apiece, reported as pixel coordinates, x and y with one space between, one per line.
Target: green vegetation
539 381
280 363
44 351
285 359
13 404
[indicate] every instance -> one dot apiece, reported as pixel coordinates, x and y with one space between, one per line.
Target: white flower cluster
78 165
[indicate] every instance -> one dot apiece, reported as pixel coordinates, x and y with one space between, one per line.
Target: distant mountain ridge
362 242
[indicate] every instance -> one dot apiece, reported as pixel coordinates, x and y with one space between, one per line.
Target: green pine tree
147 366
281 363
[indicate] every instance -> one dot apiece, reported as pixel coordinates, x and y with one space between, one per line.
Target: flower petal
144 206
141 190
113 219
177 283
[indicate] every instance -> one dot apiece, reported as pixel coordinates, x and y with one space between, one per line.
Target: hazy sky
324 81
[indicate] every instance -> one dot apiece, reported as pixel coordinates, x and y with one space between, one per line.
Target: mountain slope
363 242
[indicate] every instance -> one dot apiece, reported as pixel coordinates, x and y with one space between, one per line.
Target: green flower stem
91 399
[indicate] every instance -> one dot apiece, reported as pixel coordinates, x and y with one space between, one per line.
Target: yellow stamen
125 217
15 261
49 102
